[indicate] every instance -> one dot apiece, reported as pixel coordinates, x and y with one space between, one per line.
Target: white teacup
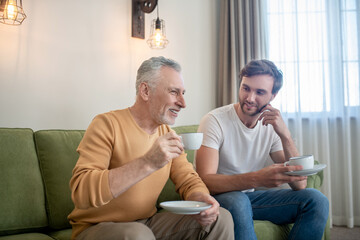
306 161
191 141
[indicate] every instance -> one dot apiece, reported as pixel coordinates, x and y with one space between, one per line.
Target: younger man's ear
273 96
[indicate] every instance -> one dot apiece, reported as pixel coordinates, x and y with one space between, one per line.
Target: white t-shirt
241 149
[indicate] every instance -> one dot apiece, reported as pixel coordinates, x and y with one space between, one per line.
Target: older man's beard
162 118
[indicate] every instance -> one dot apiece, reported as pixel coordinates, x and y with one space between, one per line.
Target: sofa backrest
169 193
57 156
22 198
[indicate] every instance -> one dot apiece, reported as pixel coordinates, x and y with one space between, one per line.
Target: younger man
238 139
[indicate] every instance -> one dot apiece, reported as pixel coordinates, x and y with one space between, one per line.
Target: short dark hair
263 67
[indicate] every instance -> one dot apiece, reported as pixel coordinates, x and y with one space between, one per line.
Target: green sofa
35 169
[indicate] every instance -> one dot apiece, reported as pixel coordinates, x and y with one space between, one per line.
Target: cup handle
286 163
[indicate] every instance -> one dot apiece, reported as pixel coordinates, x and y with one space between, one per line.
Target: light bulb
11 10
157 37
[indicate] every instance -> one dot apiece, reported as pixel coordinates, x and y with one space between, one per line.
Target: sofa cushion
27 236
266 230
61 234
57 156
22 198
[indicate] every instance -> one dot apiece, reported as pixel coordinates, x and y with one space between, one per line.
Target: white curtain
316 44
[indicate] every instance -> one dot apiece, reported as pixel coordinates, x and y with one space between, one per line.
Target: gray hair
149 71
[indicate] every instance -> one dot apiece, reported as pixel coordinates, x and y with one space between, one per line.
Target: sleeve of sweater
185 178
90 182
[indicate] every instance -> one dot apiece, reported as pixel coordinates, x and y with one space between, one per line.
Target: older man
125 159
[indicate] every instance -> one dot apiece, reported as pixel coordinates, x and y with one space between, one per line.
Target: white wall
71 60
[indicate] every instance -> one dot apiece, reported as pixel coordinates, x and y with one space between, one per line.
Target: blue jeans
308 209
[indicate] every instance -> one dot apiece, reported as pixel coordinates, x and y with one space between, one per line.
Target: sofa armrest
316 180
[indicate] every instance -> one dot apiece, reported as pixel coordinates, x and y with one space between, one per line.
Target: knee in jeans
320 202
235 202
240 201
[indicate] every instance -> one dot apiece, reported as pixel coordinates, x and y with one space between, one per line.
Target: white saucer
308 172
185 207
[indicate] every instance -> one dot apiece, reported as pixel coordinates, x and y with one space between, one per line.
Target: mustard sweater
111 140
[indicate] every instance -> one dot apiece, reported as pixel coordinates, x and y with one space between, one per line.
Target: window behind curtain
316 45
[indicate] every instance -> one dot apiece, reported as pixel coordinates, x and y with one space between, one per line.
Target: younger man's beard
255 113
